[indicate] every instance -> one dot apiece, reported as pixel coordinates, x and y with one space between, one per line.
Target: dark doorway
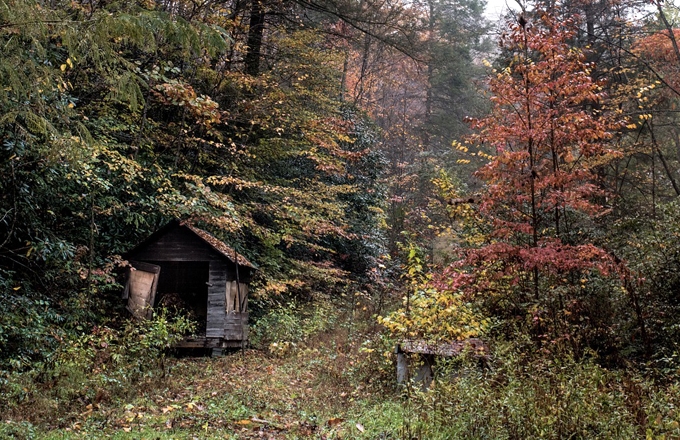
183 288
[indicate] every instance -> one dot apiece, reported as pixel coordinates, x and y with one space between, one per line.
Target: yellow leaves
205 111
169 408
460 147
68 64
485 155
435 315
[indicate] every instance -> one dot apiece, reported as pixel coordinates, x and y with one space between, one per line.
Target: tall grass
532 397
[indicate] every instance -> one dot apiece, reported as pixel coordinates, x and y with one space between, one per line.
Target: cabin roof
218 245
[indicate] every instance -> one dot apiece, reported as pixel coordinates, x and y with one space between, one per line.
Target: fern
37 124
126 89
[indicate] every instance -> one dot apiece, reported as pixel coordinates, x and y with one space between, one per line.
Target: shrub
94 366
285 325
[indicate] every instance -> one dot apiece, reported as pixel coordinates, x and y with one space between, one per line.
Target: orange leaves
657 50
550 129
329 136
204 110
547 144
658 46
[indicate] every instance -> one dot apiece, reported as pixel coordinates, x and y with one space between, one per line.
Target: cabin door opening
183 289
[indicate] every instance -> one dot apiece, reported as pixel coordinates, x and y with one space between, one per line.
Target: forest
398 172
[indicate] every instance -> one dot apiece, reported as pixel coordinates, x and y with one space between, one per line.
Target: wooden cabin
186 268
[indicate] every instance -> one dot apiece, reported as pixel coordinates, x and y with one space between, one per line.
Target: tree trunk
255 32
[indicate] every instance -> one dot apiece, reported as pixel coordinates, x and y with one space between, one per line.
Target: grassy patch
338 384
242 395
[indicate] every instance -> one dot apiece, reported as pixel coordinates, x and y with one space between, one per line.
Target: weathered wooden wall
178 244
236 326
237 296
217 285
187 257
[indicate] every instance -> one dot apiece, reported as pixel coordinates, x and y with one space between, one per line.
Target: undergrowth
335 380
89 368
527 396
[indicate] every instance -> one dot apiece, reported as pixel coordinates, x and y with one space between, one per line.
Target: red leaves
550 136
547 139
659 52
658 47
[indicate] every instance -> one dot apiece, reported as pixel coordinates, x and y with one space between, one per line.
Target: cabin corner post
402 365
402 368
217 285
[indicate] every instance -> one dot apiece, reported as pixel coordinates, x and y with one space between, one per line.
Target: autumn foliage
549 136
660 53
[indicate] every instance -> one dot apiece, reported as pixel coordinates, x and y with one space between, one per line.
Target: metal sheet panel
141 289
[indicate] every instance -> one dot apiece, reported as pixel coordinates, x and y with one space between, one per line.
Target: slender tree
550 139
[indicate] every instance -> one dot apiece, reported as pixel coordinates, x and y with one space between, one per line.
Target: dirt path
311 393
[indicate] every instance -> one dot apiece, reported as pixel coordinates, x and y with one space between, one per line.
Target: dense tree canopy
123 116
383 157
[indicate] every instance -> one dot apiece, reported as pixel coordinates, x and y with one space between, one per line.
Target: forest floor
340 384
315 391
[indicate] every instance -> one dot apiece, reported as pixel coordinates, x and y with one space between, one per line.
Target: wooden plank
236 326
146 267
230 298
177 245
244 297
454 348
402 368
233 344
201 342
236 296
216 299
190 344
233 333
